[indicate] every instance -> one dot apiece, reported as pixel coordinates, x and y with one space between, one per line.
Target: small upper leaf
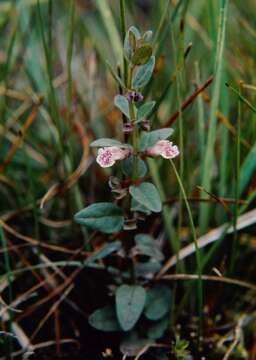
104 319
147 195
147 35
149 139
142 55
130 301
105 217
123 105
132 35
143 74
145 110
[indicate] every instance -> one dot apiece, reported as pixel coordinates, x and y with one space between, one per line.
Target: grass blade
111 28
198 256
209 151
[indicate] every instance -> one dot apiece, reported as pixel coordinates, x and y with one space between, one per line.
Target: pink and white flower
165 148
107 156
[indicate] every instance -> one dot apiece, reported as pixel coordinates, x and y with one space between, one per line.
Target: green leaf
145 110
147 269
127 167
145 245
105 217
135 31
143 74
130 301
157 331
131 35
105 142
104 319
122 104
132 40
158 302
135 206
147 195
149 139
103 252
142 55
147 35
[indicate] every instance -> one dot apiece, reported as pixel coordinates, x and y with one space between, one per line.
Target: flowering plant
135 199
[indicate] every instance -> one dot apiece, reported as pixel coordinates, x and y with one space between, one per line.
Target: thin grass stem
198 255
123 31
209 151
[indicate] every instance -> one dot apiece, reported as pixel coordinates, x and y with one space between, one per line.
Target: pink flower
165 148
107 156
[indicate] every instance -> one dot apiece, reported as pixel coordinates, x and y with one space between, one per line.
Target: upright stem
135 133
136 160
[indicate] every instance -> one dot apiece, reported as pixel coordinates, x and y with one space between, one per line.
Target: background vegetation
56 96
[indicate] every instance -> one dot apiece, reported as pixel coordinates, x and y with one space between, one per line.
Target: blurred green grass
57 50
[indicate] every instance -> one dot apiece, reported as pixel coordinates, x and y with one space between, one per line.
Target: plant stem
135 133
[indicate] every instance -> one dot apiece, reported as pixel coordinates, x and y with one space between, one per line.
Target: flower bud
128 128
134 96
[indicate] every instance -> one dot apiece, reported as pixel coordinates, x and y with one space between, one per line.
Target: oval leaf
135 206
105 217
104 319
157 330
143 74
158 302
122 104
149 139
105 142
131 35
103 252
130 301
146 245
142 55
147 269
147 195
145 110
